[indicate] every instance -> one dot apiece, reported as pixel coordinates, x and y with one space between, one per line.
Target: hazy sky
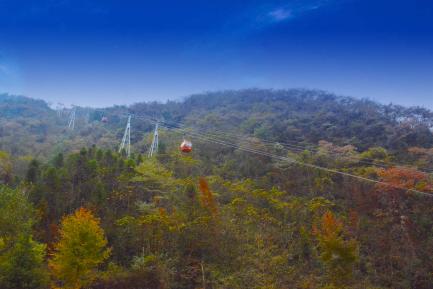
101 52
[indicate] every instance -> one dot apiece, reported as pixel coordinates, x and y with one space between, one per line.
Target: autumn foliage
79 251
337 251
207 199
401 178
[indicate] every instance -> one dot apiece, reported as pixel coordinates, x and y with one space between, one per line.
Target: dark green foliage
21 258
22 267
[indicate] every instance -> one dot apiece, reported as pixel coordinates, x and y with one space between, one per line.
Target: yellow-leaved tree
81 248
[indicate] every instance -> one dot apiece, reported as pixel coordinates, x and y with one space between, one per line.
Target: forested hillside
302 116
283 189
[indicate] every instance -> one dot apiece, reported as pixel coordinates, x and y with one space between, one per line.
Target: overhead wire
291 148
291 160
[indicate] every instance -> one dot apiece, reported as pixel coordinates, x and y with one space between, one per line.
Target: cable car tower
154 147
60 107
71 123
126 138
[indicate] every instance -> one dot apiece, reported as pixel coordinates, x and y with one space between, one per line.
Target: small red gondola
104 119
186 146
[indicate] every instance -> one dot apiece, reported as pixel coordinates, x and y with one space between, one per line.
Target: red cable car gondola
104 119
186 146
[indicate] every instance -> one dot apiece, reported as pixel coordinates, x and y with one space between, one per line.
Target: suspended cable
291 160
382 164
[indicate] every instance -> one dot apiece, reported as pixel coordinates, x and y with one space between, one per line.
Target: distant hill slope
302 116
12 106
29 126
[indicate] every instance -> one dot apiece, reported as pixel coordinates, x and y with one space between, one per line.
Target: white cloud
280 14
292 10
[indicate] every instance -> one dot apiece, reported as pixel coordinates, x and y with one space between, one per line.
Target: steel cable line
311 147
294 161
286 146
315 148
227 134
231 135
291 148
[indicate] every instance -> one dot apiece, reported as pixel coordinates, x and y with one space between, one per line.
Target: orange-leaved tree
207 199
81 248
337 252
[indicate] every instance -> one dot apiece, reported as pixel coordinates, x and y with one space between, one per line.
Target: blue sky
98 53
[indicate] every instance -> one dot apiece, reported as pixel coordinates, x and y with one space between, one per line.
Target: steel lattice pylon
126 138
154 147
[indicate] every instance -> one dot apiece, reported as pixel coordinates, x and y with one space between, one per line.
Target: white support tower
60 107
126 138
71 123
154 147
